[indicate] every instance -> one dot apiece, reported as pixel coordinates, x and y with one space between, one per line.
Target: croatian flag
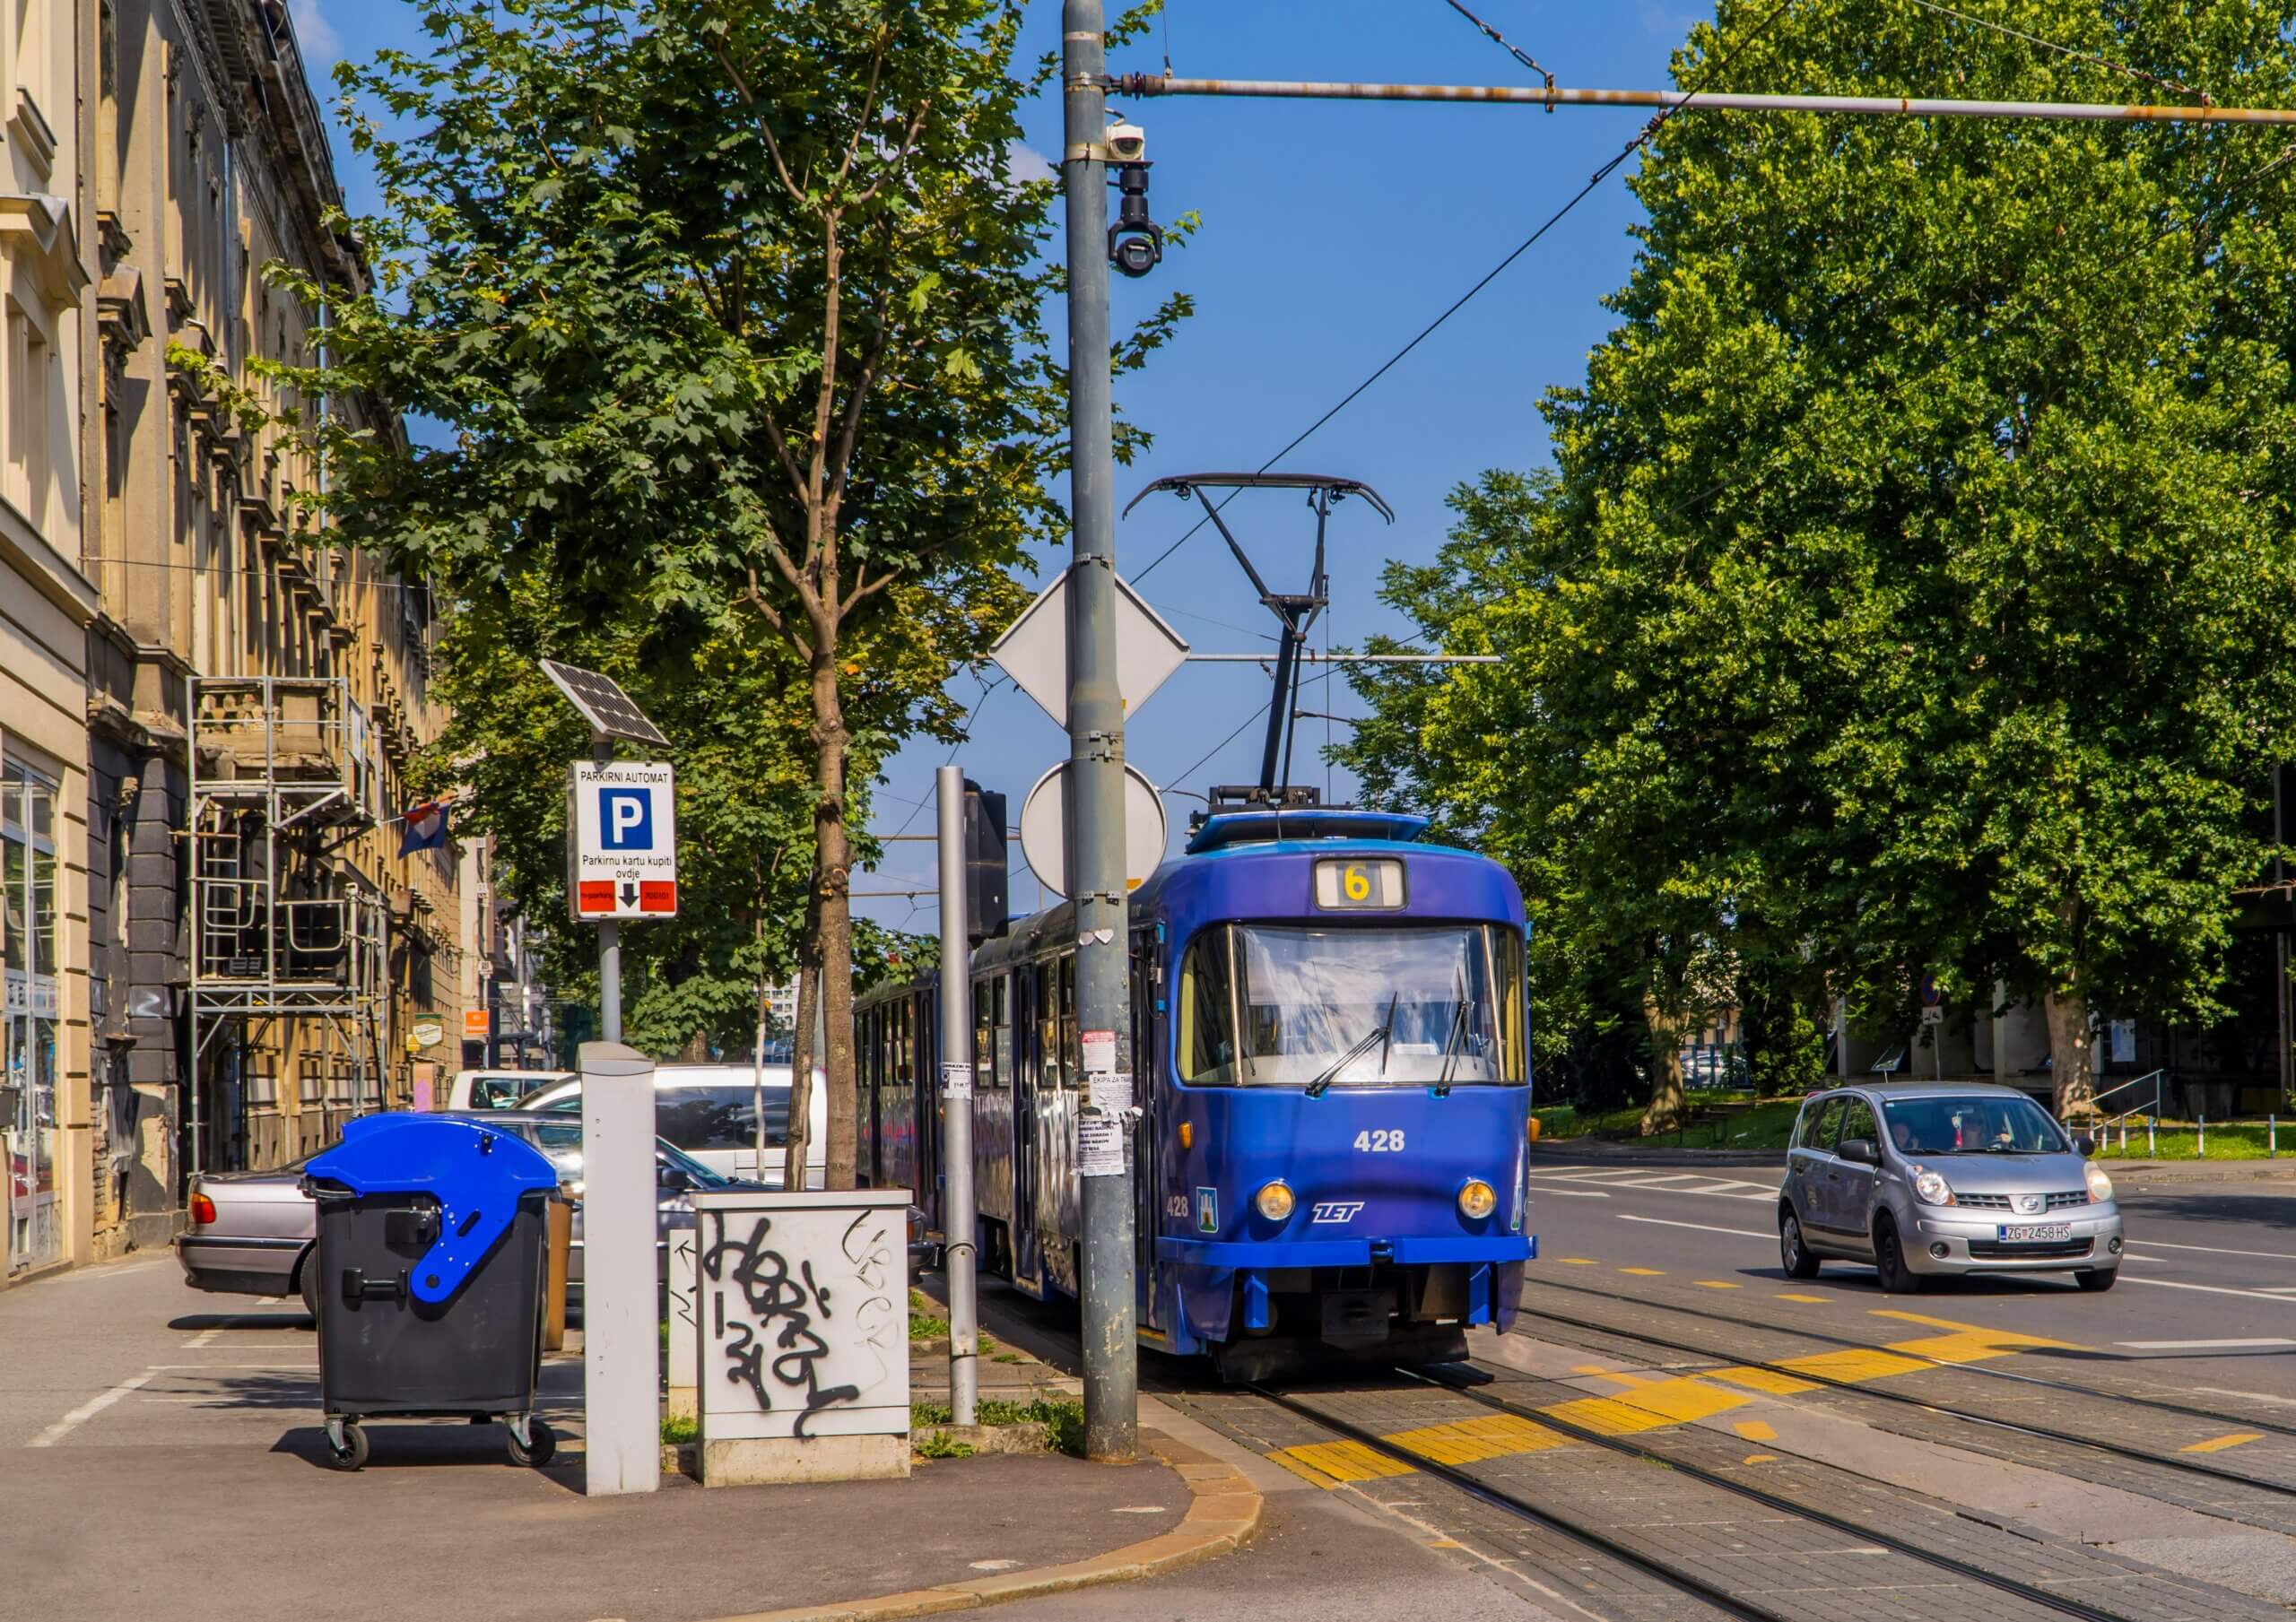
424 827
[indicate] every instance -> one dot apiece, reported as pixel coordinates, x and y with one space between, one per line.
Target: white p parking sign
622 854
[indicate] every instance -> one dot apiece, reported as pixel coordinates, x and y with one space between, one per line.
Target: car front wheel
2097 1279
1797 1258
1889 1260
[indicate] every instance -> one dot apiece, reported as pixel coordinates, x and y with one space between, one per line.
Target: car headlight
2101 1186
1275 1200
1476 1200
1930 1188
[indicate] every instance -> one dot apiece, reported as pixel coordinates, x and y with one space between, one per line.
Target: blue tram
1331 1058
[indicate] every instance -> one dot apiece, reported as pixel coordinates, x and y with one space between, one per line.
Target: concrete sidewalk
190 1483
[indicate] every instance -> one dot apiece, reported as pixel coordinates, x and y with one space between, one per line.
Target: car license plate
2038 1233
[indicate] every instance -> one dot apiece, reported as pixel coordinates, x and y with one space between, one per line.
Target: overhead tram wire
2175 87
1720 61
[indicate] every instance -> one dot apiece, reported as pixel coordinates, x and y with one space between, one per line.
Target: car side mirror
2085 1144
1860 1150
674 1179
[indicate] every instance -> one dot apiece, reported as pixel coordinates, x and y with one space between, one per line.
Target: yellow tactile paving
1494 1436
1308 1473
1754 1430
1765 1380
1853 1363
1344 1461
2217 1444
1647 1407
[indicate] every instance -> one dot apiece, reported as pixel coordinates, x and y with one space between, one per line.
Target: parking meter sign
622 849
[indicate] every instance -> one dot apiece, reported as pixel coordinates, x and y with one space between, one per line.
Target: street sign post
622 856
621 829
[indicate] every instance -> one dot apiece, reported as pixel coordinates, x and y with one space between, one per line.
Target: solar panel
603 703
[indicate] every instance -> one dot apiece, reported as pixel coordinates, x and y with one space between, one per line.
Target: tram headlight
1476 1200
1276 1200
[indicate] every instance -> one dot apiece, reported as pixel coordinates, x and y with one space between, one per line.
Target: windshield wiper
1321 1085
1387 1031
1451 1041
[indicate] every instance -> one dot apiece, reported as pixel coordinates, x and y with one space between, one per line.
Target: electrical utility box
986 863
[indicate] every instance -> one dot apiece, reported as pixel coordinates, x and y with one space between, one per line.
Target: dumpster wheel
535 1449
351 1454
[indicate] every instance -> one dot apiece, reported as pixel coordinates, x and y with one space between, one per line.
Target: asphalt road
2206 1301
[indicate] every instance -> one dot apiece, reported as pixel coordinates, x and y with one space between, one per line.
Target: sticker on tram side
1207 1210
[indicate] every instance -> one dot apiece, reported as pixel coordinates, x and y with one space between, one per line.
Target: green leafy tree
1915 575
731 315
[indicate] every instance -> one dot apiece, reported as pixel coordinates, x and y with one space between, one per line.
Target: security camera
1136 242
1127 142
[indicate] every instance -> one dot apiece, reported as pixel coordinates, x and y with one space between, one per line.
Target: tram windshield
1350 1007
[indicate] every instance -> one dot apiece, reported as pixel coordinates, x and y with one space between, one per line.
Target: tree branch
772 616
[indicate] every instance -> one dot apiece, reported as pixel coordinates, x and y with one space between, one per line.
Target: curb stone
1223 1517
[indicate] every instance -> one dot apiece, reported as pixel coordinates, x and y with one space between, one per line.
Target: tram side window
983 1051
1069 1065
1514 1034
1000 1029
1207 1042
1048 1011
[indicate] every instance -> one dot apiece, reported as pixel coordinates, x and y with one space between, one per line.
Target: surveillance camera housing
1127 142
1136 256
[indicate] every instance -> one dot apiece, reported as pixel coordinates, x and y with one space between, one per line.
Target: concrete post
957 1215
621 1347
1095 877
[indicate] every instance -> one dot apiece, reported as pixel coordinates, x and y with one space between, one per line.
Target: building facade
215 950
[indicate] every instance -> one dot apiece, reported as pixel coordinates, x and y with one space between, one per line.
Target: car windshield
494 1092
563 1146
1343 1007
692 1117
1971 1126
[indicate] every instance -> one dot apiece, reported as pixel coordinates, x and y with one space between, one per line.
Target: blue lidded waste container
433 1242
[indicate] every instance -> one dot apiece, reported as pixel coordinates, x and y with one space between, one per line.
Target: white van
497 1088
710 1112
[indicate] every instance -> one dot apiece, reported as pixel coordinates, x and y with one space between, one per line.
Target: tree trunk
833 897
2072 1053
801 1069
1664 1110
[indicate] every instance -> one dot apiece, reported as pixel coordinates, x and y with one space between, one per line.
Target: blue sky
1331 233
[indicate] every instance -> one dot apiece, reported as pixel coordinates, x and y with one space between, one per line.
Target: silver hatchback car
1943 1180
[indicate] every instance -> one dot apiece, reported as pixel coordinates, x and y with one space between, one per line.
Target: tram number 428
1379 1142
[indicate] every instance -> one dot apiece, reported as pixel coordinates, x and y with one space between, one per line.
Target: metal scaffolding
288 938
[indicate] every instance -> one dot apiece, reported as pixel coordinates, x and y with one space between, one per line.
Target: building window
30 1231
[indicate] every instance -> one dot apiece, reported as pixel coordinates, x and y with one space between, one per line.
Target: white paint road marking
1743 1233
87 1411
2200 1345
2217 1250
1572 1194
97 1275
2214 1289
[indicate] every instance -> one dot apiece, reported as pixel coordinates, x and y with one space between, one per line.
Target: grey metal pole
957 1223
610 979
1096 767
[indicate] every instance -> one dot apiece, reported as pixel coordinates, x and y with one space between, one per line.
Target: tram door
1027 1255
926 1181
1147 1172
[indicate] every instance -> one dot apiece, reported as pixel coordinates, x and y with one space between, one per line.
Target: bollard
2200 1149
2123 1134
2272 1137
2149 1148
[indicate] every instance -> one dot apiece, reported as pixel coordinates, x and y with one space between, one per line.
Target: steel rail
2192 1467
1475 1487
1667 100
2059 1603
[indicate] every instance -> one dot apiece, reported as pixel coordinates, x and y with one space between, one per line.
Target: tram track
1614 1548
2185 1466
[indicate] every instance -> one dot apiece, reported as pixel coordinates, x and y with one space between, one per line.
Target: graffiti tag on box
804 1321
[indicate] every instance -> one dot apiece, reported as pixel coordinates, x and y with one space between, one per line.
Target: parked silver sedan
1939 1180
251 1232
